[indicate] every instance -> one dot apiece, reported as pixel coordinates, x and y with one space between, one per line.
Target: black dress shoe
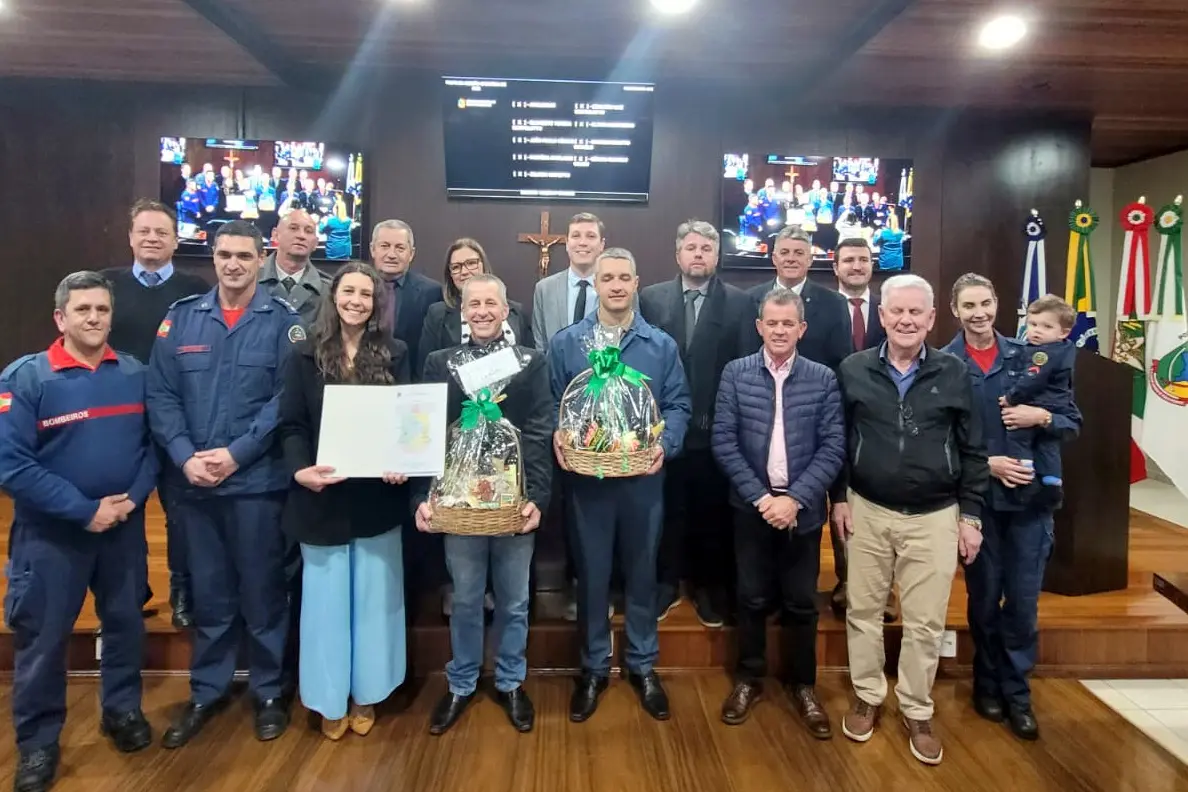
518 707
129 731
585 696
447 712
1023 723
183 618
36 770
651 694
989 707
272 718
190 723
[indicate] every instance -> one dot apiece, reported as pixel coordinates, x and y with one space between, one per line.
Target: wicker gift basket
481 492
609 422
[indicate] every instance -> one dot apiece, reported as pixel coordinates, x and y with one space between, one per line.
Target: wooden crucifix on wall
543 241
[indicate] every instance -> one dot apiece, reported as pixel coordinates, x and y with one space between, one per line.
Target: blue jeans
510 560
1004 586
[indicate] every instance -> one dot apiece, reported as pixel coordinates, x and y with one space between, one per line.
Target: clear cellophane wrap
484 464
609 410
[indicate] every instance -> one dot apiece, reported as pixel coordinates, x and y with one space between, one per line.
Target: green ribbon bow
481 406
606 365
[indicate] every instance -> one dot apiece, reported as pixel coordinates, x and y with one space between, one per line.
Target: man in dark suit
827 338
409 294
853 265
712 323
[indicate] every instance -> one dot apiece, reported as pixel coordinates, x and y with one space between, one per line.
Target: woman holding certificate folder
352 636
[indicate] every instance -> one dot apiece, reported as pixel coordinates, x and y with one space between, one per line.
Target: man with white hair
914 483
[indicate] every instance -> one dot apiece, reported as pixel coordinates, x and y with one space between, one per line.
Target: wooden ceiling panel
140 40
1122 61
615 32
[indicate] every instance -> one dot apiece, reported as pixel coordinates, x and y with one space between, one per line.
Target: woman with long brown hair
352 647
443 326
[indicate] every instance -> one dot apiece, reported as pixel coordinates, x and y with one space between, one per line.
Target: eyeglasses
470 265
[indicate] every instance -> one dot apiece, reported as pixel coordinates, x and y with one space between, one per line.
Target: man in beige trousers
907 503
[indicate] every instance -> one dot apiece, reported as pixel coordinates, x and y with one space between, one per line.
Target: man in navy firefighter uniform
213 393
624 511
76 457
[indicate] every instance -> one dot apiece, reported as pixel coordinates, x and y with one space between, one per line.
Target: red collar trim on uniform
60 359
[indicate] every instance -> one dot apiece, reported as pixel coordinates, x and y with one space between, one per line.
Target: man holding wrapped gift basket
623 407
490 498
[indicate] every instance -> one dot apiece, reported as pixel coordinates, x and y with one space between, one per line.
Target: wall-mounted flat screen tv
831 198
212 181
547 139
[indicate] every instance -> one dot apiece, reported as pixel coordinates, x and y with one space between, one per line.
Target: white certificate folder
368 430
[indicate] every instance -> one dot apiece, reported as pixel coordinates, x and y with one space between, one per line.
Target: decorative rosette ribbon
605 366
1169 275
481 407
1134 296
1035 267
1079 291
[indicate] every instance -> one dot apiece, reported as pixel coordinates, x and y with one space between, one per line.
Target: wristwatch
972 522
1047 419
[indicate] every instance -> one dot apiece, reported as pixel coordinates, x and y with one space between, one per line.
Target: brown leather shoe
924 745
859 723
737 707
808 706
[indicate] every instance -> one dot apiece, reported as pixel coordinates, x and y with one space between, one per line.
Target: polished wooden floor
1155 546
1134 632
1085 746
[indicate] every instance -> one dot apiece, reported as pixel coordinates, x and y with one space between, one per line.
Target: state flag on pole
1134 309
1078 283
1167 354
1035 268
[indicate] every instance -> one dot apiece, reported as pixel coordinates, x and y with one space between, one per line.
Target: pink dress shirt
777 456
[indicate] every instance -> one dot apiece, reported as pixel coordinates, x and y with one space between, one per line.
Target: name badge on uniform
192 348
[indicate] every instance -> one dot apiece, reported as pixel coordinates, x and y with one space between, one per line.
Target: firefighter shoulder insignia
296 334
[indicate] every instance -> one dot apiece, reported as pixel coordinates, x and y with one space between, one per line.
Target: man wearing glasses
906 504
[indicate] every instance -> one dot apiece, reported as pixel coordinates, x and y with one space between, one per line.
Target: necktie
691 297
288 283
579 307
858 325
151 279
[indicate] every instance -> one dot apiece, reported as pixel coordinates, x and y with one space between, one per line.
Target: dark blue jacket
644 348
814 432
70 436
214 387
987 387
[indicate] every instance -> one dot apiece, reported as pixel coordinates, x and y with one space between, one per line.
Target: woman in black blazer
444 328
352 645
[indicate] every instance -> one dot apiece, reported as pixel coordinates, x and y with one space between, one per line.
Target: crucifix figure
231 159
544 240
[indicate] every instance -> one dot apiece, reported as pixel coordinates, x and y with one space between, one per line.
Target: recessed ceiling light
1002 32
673 6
